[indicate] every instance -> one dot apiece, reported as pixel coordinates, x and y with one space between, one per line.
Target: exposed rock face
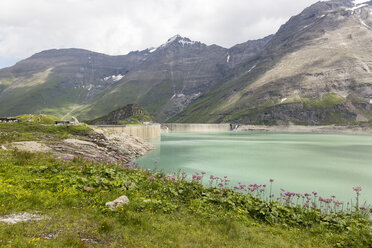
98 145
324 50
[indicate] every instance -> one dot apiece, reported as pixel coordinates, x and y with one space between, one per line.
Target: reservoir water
330 164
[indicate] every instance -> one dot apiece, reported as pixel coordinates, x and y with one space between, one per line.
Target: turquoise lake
330 164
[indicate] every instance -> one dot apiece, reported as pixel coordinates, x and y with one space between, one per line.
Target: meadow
175 210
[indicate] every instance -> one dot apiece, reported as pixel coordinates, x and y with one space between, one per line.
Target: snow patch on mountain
184 42
170 40
179 39
114 78
356 2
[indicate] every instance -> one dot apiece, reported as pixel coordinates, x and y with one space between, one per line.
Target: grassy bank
164 211
26 131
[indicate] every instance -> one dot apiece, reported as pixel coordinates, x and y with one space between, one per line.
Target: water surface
330 164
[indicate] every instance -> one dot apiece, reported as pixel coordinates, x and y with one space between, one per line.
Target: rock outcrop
119 202
97 145
121 114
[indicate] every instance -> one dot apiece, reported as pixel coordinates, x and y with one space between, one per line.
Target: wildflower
67 158
203 172
362 208
357 189
151 178
271 180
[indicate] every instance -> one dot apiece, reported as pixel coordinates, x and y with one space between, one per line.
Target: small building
8 120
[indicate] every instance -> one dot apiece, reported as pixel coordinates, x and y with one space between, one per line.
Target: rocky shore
97 144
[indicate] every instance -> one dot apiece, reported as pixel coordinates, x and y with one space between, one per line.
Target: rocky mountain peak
179 41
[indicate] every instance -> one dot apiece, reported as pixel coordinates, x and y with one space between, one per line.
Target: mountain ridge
89 82
308 58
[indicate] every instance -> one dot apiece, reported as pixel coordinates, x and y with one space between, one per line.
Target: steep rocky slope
315 69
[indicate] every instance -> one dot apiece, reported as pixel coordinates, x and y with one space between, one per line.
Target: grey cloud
120 26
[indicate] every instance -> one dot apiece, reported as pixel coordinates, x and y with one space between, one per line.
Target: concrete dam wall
153 131
142 131
183 127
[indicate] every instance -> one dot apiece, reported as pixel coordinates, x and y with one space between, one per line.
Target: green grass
50 97
157 96
38 118
27 131
327 101
161 213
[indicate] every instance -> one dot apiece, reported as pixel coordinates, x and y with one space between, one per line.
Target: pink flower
271 180
357 188
67 158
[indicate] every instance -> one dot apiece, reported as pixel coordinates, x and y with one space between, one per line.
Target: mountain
129 114
164 80
315 70
58 81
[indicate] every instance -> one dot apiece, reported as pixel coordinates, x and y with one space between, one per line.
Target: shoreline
308 129
217 127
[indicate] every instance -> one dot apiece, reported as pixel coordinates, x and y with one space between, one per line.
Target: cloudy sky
119 26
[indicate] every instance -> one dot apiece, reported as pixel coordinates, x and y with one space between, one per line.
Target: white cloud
120 26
